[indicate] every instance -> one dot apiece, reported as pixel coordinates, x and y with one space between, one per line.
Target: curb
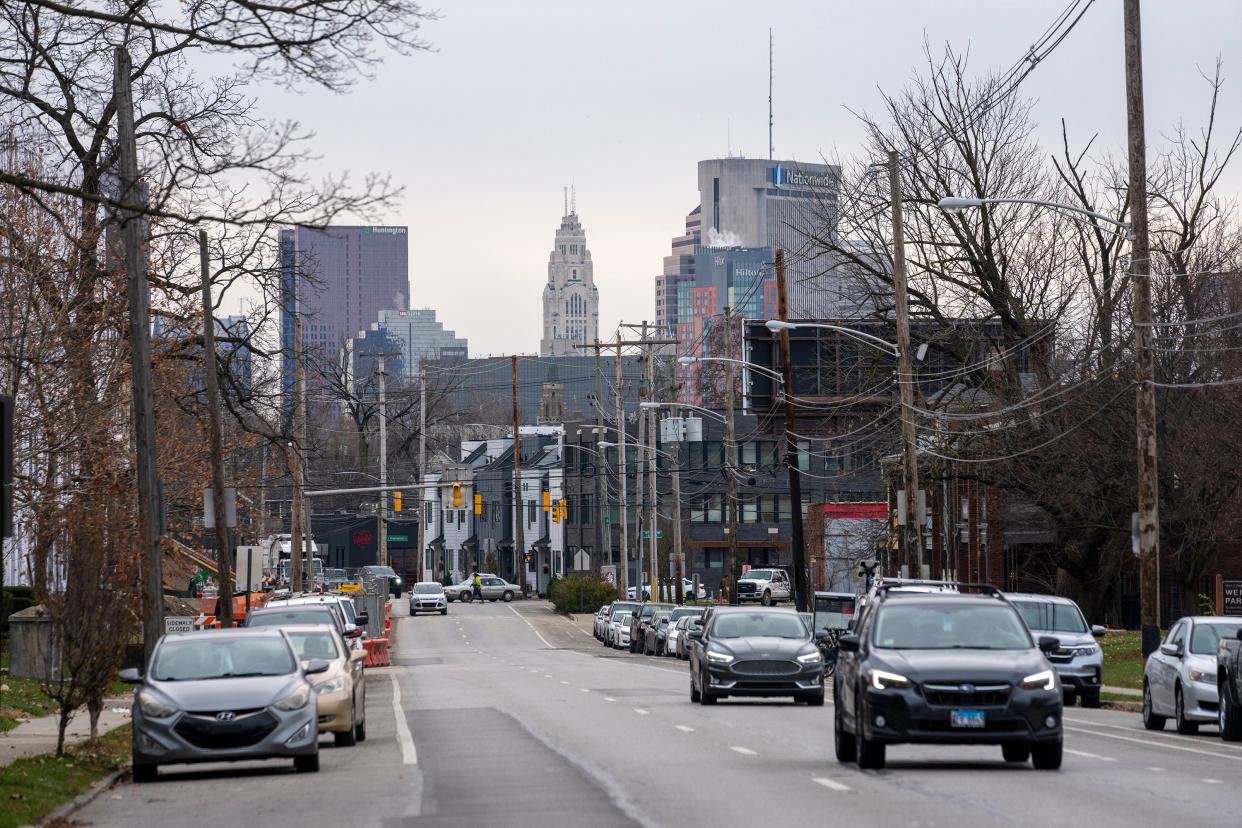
83 799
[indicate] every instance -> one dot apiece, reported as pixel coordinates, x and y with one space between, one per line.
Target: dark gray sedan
216 696
755 652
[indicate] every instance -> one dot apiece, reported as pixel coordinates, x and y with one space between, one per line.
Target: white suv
767 586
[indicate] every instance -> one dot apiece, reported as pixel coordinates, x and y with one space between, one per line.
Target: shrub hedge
581 593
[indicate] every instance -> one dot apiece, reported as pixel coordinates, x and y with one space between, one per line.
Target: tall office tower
678 268
422 337
570 300
338 279
748 202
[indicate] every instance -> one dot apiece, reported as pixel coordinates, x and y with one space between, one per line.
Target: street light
690 360
777 325
956 204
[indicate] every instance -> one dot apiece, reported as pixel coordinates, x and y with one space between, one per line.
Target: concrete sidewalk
1123 691
38 736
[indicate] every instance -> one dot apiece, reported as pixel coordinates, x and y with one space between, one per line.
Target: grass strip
32 788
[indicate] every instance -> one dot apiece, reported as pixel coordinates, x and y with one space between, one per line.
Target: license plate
966 718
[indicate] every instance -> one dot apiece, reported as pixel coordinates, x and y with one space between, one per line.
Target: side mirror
316 665
822 635
697 635
1098 631
361 619
849 643
130 675
1049 643
1174 650
357 655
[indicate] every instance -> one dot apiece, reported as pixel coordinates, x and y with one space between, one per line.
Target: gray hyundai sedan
217 696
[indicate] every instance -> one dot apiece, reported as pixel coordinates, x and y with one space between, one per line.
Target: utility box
32 647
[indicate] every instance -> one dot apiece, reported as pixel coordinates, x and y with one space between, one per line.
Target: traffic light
528 557
547 500
478 504
456 495
396 501
556 513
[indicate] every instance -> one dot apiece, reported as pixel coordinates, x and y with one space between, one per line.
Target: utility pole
519 519
295 447
261 495
652 522
422 467
624 506
147 470
730 456
912 532
640 503
1144 370
678 553
603 534
797 542
223 563
383 469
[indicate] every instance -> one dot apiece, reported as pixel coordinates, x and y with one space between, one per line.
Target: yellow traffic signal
547 501
456 495
396 501
556 513
478 504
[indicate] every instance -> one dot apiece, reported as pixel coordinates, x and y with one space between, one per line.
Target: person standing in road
476 583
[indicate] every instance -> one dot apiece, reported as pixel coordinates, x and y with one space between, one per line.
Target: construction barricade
377 652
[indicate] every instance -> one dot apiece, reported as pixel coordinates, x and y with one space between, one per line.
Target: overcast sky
623 99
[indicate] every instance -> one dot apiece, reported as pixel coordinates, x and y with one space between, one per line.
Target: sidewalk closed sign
178 624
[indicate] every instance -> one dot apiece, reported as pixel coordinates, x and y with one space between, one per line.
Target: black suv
640 623
952 667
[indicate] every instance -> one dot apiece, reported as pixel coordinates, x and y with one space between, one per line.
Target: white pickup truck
767 586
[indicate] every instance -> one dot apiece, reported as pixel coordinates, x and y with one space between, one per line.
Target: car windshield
681 612
950 626
385 571
428 589
751 624
283 618
215 657
623 607
1051 616
310 645
757 575
621 616
1207 635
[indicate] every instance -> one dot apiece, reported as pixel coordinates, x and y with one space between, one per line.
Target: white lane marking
532 628
745 751
1155 769
1212 781
1168 737
409 755
584 690
609 699
564 682
1086 755
547 675
1150 743
685 729
641 712
831 784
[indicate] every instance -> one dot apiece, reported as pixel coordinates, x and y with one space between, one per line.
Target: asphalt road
510 715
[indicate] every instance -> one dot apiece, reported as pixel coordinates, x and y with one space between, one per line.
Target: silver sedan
1179 679
493 589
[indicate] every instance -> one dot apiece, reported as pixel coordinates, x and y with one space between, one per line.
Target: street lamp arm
776 325
654 404
689 360
953 204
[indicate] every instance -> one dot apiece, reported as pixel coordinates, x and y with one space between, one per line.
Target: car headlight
884 680
153 707
295 700
1205 676
332 685
1086 650
716 657
1043 680
811 658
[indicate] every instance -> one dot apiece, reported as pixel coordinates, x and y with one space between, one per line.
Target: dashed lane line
684 728
1086 755
1212 781
1155 769
745 751
642 712
609 699
832 784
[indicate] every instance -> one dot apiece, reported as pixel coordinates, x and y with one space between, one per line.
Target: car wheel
1184 727
694 693
705 696
1229 716
360 730
1151 720
465 597
346 738
766 600
1046 755
1016 752
307 764
1091 701
871 754
144 773
508 596
444 611
814 699
1068 697
847 751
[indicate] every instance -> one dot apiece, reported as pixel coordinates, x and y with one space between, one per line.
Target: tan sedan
341 690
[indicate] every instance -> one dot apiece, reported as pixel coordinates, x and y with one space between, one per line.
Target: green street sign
659 534
647 534
402 538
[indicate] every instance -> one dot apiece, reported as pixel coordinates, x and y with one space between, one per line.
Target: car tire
465 597
1068 697
766 600
1229 716
1016 752
1151 719
307 764
1046 755
871 754
1184 726
345 738
360 730
846 749
444 611
814 699
508 596
694 693
144 773
1091 701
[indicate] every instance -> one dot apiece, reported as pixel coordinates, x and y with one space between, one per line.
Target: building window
804 456
750 512
532 511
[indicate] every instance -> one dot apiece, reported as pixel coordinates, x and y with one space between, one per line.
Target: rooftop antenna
573 198
565 192
770 44
728 137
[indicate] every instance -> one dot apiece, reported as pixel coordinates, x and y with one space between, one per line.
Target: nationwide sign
784 177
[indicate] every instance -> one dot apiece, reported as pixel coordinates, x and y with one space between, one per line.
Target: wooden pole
215 438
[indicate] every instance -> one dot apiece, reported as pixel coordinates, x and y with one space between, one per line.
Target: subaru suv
1079 660
955 667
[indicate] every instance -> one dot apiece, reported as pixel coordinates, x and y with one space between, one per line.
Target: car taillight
355 633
